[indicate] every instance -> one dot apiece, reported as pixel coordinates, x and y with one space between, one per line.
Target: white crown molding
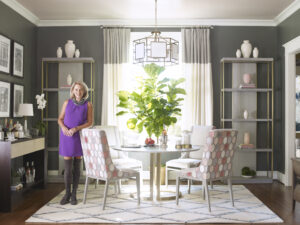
13 4
161 22
288 11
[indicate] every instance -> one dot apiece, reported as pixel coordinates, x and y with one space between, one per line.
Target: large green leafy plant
155 104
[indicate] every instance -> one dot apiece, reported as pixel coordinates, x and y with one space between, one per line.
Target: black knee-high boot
76 176
68 180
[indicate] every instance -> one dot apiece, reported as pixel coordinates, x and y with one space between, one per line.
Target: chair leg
177 189
96 183
141 178
189 186
203 190
166 178
230 190
138 188
119 186
207 195
85 189
105 194
116 186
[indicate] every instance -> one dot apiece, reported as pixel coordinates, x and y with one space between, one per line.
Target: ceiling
143 10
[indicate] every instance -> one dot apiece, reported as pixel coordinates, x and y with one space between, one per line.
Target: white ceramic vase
245 114
70 49
77 53
238 53
246 48
59 52
69 79
255 52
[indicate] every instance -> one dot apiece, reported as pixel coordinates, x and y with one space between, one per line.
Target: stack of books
246 146
247 85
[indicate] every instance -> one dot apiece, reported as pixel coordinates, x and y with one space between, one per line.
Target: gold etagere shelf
230 101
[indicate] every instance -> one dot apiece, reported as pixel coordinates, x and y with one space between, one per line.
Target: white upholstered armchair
192 159
120 159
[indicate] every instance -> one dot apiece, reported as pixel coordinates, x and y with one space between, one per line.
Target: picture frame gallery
5 54
11 63
18 96
5 92
18 58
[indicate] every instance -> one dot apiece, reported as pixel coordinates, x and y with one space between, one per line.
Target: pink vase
247 78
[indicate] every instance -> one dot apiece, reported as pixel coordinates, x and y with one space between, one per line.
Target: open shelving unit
259 102
56 89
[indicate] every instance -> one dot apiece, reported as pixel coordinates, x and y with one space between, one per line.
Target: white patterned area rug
191 209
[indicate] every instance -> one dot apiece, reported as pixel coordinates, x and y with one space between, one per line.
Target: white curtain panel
116 56
198 104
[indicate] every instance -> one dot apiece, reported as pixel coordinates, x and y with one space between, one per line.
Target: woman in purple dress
76 114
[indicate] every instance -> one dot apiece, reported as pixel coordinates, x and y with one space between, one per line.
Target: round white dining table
155 153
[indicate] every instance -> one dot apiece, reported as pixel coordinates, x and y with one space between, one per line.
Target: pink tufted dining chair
99 164
216 162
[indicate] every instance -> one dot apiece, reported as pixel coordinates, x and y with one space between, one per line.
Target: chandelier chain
155 15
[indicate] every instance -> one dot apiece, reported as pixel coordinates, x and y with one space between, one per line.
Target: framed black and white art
18 95
5 45
4 99
18 56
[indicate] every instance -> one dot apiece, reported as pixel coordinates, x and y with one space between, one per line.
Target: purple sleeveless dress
75 115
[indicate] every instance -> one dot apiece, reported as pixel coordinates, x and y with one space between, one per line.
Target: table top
156 149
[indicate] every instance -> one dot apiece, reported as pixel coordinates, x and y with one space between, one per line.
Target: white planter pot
246 48
77 53
255 52
59 52
238 53
70 49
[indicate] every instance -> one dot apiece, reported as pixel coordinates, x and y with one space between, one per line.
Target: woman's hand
66 131
73 131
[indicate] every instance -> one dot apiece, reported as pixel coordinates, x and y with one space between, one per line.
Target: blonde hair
85 88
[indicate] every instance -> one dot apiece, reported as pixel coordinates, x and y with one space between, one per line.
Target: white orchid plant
40 100
41 104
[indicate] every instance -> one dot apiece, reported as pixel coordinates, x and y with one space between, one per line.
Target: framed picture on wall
5 46
4 99
18 96
18 56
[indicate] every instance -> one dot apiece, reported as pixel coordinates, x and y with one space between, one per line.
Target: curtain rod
141 26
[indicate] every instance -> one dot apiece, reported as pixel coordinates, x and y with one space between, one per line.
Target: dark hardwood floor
276 196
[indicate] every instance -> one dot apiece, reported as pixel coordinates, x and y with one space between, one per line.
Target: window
134 71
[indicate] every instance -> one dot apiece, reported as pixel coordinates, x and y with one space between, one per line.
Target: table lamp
25 109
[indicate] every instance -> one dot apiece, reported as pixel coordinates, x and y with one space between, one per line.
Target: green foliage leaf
123 95
154 104
131 123
121 113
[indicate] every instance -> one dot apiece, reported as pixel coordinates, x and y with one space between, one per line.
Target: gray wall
43 42
89 40
17 28
287 30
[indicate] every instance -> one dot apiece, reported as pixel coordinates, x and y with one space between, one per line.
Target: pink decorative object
246 138
247 78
